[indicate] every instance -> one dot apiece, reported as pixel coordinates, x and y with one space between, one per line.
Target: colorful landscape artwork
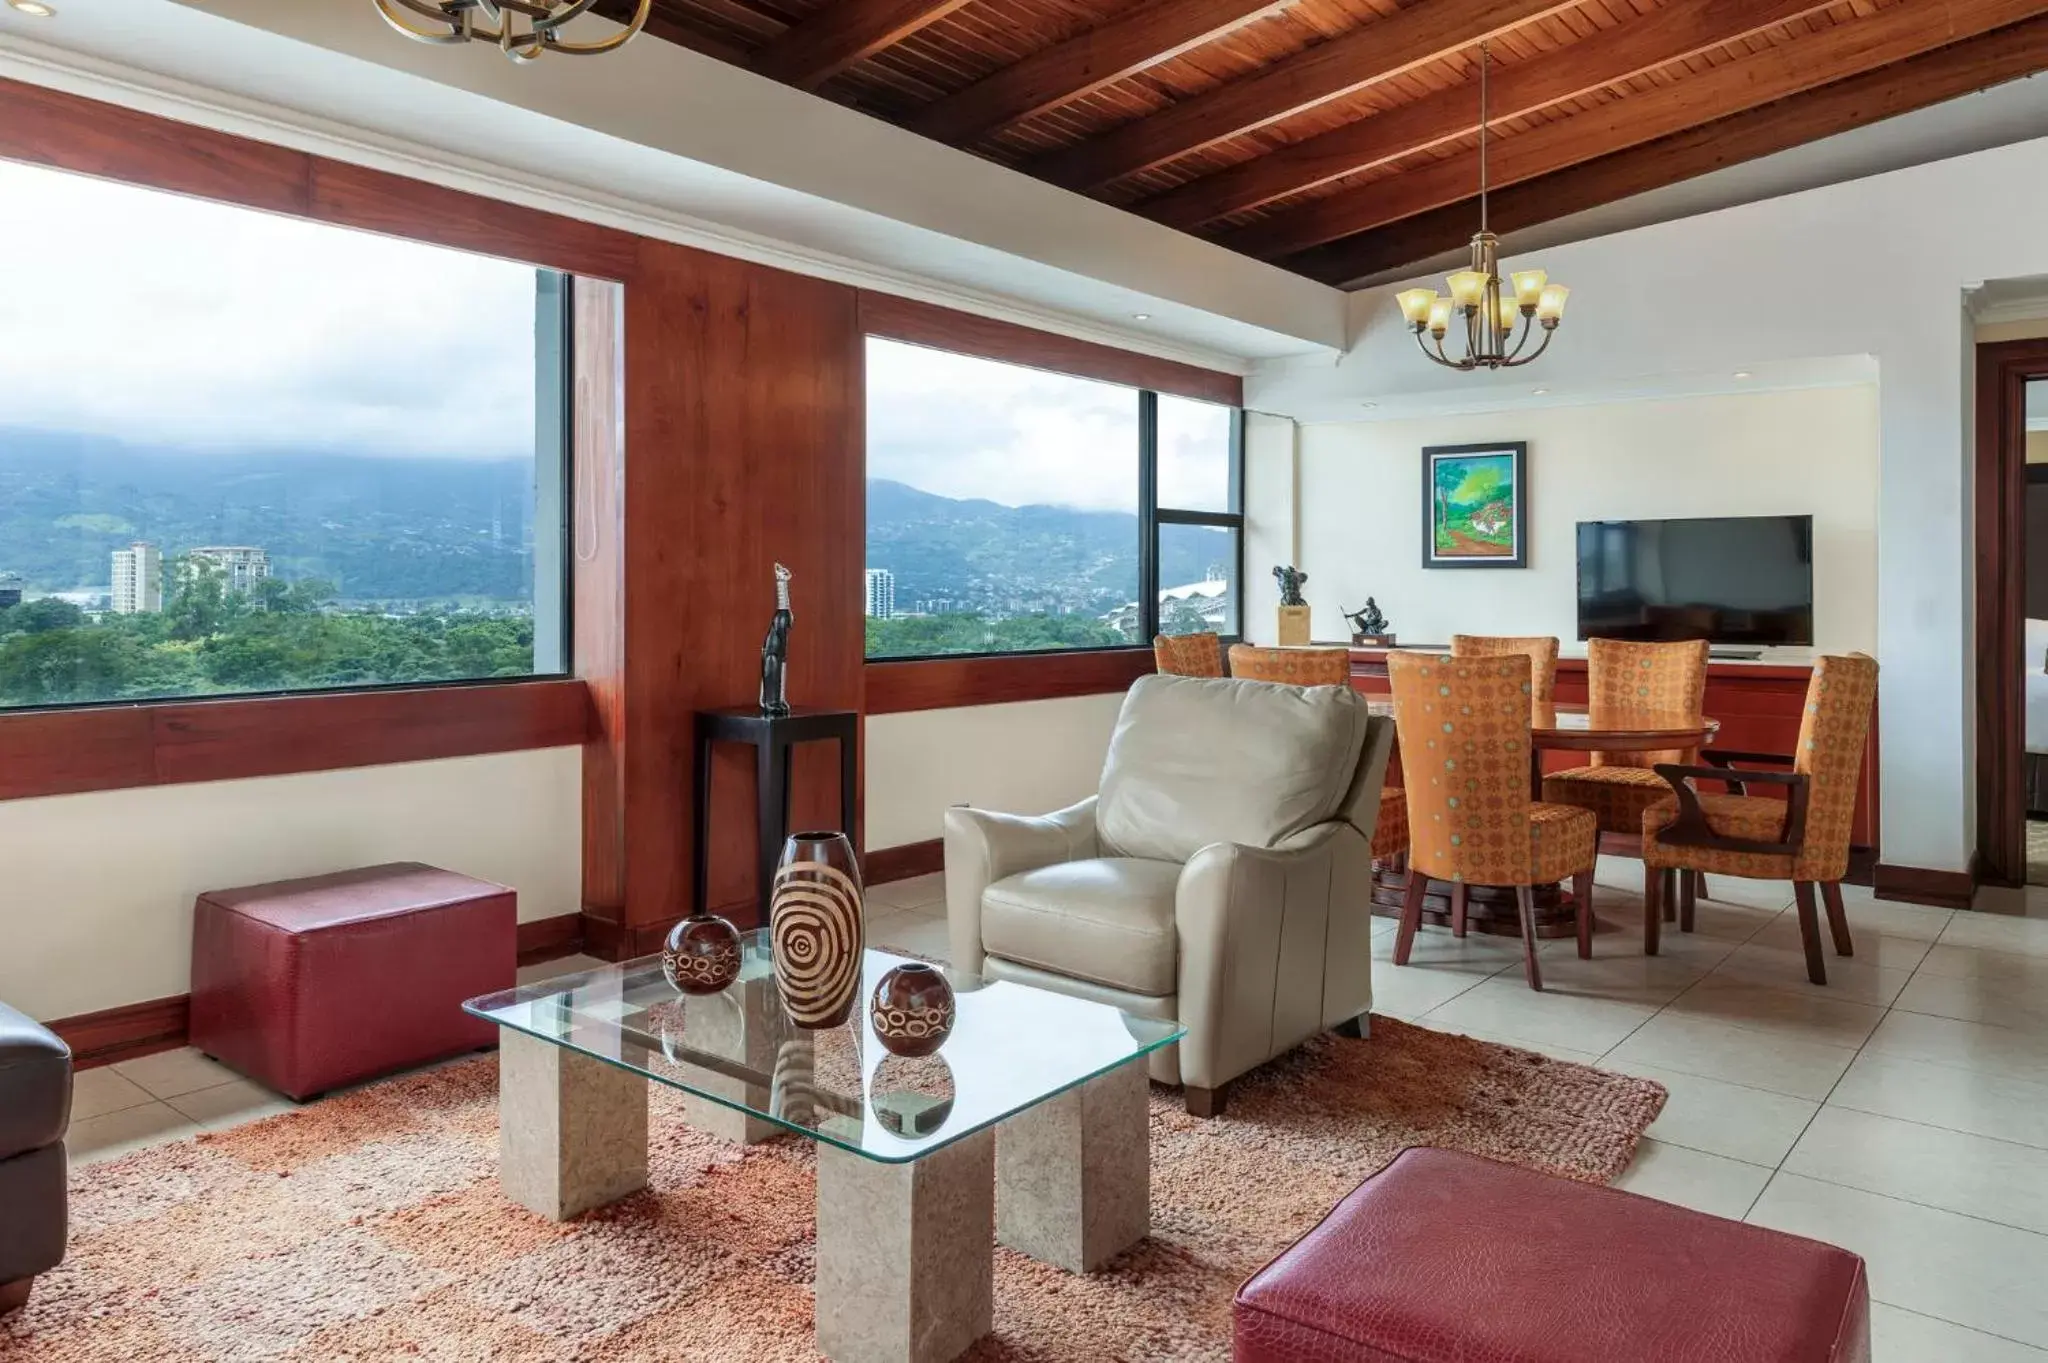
1474 513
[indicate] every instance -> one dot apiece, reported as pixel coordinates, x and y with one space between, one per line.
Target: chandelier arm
454 33
559 14
1521 340
1438 358
1548 332
611 44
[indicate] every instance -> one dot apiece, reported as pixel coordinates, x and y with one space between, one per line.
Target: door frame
2004 368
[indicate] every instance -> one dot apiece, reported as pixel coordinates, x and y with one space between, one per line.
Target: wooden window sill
901 685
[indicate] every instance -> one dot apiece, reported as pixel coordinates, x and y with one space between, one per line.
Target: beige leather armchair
1221 875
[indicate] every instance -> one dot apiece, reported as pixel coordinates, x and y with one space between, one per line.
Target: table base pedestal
1489 909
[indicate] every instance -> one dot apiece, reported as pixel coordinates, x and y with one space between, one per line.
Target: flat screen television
1728 579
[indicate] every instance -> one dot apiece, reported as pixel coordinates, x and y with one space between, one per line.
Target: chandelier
1476 296
522 29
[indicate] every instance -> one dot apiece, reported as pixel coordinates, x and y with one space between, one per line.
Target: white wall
1030 757
1874 267
96 890
1804 451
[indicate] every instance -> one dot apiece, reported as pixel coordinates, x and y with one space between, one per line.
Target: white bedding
2032 665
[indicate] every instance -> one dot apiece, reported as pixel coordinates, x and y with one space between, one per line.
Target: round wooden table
1556 726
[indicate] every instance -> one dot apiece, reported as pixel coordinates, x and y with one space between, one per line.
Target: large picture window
245 453
1014 510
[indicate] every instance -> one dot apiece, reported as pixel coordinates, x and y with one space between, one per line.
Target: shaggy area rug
369 1226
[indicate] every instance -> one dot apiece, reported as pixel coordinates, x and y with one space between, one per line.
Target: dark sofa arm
35 1084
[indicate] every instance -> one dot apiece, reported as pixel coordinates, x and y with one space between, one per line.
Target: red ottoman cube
1444 1256
307 985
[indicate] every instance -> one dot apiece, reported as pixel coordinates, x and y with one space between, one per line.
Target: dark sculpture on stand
1369 626
1290 579
775 650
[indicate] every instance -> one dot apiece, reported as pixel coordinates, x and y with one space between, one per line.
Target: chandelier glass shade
1489 312
521 29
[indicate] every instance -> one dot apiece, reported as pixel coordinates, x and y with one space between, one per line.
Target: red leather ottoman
307 985
1445 1256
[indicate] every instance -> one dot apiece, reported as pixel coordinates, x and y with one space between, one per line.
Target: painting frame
1513 456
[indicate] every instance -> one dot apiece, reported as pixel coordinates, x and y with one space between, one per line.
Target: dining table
1554 726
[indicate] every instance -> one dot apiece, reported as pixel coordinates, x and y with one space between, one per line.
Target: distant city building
240 566
10 590
1182 610
881 593
138 579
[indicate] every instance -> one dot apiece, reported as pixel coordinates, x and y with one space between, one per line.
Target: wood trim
1918 885
134 1029
550 939
951 683
906 861
1959 69
906 319
64 752
2003 371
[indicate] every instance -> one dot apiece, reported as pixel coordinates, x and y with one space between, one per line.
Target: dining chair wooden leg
1686 888
1582 893
1809 932
1525 904
1458 908
1411 916
1699 887
1670 888
1653 908
1838 919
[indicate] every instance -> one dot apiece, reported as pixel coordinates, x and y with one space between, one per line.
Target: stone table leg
718 1024
906 1261
572 1130
1074 1173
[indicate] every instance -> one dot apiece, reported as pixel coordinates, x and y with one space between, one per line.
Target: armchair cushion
1109 920
1195 761
1754 817
35 1084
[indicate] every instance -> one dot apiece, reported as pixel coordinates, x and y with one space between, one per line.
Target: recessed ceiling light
1538 392
1141 317
1368 405
1742 374
35 9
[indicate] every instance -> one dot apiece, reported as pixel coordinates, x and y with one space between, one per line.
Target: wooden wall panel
597 566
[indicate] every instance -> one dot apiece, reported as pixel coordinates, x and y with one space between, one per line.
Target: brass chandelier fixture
521 29
1476 296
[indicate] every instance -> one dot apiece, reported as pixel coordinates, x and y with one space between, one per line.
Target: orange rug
369 1226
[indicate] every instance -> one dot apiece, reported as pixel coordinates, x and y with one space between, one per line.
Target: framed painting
1475 505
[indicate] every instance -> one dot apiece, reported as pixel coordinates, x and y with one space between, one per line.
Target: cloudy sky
964 427
149 317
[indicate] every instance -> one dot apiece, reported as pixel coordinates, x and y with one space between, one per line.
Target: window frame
1151 516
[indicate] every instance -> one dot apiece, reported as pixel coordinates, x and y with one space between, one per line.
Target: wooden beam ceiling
1412 37
847 31
1945 73
1659 38
1150 33
1847 49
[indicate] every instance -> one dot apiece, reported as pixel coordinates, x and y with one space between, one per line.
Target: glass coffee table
910 1193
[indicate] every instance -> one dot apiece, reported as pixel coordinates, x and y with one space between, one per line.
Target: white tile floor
1901 1111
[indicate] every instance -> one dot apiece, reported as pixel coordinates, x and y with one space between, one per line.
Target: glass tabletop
1012 1046
1577 718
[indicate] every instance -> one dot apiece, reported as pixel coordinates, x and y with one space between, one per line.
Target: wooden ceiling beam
1644 43
1147 34
1946 73
844 32
1402 41
1849 48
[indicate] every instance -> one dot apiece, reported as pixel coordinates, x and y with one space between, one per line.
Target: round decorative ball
701 954
912 1009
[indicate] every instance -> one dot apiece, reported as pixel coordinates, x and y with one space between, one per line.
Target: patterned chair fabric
1620 787
1291 666
1541 651
1390 834
1188 655
1830 754
1463 725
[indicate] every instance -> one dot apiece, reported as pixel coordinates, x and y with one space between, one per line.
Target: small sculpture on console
775 650
1369 626
1290 579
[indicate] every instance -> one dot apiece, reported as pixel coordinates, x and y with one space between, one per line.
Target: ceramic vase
815 929
701 955
912 1010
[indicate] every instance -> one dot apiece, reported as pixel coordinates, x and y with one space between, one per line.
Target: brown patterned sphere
912 1010
701 955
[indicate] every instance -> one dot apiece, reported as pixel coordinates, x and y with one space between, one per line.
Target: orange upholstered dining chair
1803 838
1541 650
1324 667
1188 655
1620 676
1463 727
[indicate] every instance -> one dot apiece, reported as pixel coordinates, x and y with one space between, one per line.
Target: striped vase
815 929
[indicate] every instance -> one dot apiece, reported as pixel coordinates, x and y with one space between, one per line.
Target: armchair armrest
983 846
1734 777
1691 828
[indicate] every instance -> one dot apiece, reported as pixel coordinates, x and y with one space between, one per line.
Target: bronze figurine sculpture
1290 579
775 650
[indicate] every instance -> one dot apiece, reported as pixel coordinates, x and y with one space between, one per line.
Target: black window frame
1150 517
